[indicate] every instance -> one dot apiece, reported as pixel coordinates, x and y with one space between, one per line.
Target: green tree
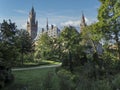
109 20
8 52
24 44
91 37
7 41
70 40
44 47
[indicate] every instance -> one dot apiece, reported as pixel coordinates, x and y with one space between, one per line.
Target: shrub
6 77
101 85
2 80
66 80
48 82
116 82
87 84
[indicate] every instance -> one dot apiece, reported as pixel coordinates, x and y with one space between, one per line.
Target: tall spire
83 18
47 27
32 10
32 24
83 23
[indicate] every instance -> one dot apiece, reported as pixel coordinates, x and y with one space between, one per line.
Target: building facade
32 24
52 31
0 25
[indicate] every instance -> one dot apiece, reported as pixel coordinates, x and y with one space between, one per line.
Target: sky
58 12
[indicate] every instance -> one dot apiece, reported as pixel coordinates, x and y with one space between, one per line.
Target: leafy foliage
109 20
24 44
71 47
8 51
44 47
7 42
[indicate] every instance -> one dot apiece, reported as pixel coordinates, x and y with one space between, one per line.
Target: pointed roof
83 18
32 10
47 24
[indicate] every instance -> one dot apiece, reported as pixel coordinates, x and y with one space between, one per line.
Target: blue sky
58 12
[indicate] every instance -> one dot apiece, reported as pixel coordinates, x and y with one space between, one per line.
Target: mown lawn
38 79
40 63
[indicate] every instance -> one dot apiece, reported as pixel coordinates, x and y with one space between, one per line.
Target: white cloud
21 11
75 23
72 23
24 26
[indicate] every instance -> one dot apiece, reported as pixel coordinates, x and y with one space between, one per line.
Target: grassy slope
33 79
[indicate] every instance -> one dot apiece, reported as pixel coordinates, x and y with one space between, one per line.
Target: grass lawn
38 79
33 64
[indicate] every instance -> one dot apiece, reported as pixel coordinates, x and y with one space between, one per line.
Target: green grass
50 62
40 63
34 79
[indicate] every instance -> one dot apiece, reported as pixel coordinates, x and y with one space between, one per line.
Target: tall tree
109 20
7 40
8 52
70 40
44 47
24 44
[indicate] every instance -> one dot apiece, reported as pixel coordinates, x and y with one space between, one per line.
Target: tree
70 40
24 44
7 42
91 38
109 20
44 47
8 52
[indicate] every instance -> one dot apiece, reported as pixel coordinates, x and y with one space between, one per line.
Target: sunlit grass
51 62
38 63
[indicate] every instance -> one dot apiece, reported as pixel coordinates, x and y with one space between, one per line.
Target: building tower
47 27
83 23
32 24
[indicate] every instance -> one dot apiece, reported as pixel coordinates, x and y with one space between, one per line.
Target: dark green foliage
66 80
6 77
24 44
48 81
71 47
7 42
116 82
8 51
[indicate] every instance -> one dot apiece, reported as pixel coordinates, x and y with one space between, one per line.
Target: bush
29 57
101 85
116 82
6 77
2 80
47 82
66 80
89 84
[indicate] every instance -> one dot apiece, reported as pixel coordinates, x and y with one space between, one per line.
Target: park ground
35 79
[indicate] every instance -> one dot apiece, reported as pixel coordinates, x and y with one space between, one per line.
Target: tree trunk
22 59
70 62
